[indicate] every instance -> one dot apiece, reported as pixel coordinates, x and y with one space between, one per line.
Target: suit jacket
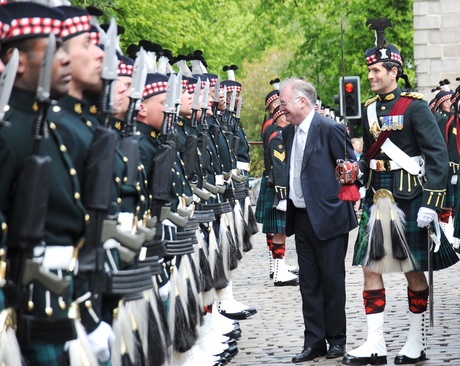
330 216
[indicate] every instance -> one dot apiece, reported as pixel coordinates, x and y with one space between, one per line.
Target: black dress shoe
308 354
335 351
293 282
404 360
374 359
236 316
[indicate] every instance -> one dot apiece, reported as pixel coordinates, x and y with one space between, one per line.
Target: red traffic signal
349 87
350 98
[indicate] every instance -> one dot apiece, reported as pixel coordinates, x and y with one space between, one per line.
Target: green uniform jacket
419 135
65 216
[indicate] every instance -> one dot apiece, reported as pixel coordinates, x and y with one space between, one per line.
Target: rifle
160 182
98 195
30 201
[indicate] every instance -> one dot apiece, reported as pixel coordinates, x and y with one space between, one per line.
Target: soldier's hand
100 341
426 216
282 205
454 179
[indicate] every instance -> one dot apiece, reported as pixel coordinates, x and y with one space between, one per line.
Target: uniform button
383 108
4 226
87 218
142 198
56 109
119 200
63 148
52 126
89 124
117 179
73 172
125 179
77 196
125 159
380 119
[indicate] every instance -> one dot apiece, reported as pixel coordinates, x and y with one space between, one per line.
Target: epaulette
412 95
370 101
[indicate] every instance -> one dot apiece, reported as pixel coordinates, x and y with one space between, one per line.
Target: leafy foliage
267 39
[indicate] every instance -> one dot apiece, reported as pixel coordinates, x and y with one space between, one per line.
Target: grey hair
300 88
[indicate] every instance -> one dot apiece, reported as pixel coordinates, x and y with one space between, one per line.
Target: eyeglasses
284 102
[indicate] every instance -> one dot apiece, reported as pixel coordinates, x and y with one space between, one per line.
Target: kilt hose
416 237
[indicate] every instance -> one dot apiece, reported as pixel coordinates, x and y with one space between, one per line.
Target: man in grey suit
318 218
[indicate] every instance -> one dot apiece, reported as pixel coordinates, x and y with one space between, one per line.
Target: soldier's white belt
383 165
415 167
242 165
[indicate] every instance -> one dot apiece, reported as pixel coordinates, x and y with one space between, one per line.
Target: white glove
100 340
426 216
454 179
282 205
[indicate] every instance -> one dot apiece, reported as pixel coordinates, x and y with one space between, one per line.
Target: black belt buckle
387 165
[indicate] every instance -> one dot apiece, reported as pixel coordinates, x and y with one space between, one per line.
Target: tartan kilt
416 237
457 217
450 199
274 221
260 207
47 354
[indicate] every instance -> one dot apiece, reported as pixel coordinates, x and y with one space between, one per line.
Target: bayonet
137 86
196 95
109 71
43 92
225 107
6 84
217 90
46 70
238 108
169 107
204 105
216 96
178 93
231 107
196 102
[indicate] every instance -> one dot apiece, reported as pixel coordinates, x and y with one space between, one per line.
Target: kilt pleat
451 195
416 237
260 207
274 221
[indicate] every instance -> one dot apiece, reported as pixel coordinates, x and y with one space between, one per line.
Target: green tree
267 39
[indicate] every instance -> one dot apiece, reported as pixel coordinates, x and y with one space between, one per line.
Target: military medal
392 123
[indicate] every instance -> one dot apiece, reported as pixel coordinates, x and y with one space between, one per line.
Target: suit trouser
322 284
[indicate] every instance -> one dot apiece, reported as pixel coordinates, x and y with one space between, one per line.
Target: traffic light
352 97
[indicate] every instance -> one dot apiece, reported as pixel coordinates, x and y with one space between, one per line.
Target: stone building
436 44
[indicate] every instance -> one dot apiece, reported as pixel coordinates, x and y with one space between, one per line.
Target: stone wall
436 44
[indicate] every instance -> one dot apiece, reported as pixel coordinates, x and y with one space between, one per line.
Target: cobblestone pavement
275 334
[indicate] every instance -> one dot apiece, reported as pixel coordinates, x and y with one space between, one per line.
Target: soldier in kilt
271 102
65 216
398 128
448 128
275 202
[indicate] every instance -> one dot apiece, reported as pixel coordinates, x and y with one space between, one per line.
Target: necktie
298 145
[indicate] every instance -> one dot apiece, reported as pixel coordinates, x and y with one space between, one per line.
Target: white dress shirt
299 202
